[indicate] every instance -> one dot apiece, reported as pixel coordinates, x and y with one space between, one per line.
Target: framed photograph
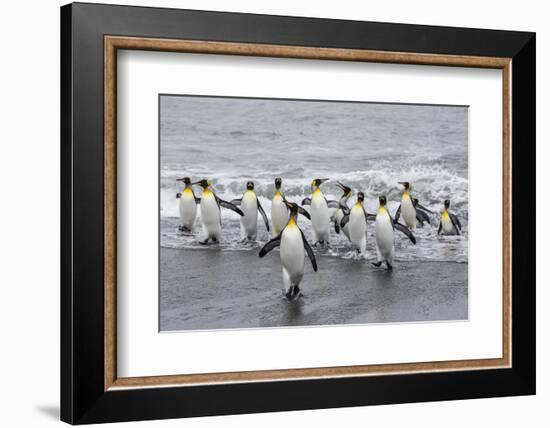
265 213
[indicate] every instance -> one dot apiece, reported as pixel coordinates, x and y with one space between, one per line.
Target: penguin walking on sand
450 224
412 212
279 209
384 231
293 245
187 206
320 218
211 205
250 206
356 220
342 210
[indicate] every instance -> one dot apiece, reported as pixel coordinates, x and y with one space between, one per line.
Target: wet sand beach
214 289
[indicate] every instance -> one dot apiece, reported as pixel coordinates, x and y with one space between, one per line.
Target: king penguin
342 210
210 212
279 210
293 244
384 227
358 225
412 212
450 224
187 205
250 205
320 218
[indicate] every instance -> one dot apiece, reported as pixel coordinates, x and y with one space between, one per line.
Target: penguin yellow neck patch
317 191
188 190
207 192
278 194
445 214
406 194
291 222
382 209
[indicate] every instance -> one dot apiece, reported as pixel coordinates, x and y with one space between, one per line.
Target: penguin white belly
210 216
358 228
292 253
447 225
279 215
319 217
408 212
384 236
188 209
249 221
339 215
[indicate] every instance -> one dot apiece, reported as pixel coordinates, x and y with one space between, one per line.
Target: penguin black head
360 197
382 200
345 189
186 180
317 182
278 183
447 204
293 208
405 184
250 185
204 183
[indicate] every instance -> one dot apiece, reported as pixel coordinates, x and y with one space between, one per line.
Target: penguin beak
340 185
322 180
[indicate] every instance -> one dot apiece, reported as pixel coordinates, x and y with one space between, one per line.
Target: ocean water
367 146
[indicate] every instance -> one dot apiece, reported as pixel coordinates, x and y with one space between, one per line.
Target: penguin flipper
344 221
333 204
456 222
304 213
368 216
404 229
178 195
229 206
398 213
336 226
197 200
306 201
423 208
236 201
309 252
440 226
262 212
274 243
422 216
345 209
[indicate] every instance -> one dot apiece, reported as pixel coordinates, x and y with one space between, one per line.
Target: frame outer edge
66 304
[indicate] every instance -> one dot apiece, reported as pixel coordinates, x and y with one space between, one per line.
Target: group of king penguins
287 235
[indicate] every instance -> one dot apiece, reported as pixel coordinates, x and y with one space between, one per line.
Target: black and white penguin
450 224
187 206
412 212
384 231
210 212
250 206
293 245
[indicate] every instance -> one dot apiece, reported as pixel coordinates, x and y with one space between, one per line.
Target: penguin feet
204 242
390 267
377 264
184 229
293 293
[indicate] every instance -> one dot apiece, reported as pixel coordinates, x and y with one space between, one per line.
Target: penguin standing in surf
293 244
411 211
279 210
384 230
450 224
250 206
187 206
342 210
320 218
356 220
210 212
